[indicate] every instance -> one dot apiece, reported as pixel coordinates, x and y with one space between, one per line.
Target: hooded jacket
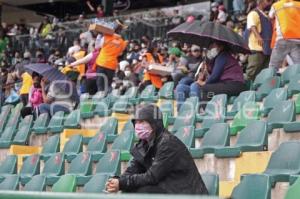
164 161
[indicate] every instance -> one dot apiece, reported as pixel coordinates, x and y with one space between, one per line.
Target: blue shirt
218 66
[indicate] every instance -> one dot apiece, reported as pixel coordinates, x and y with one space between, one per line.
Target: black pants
24 99
148 189
26 111
143 86
91 86
229 88
104 78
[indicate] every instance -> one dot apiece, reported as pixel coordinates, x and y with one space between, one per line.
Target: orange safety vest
155 79
112 48
80 67
288 14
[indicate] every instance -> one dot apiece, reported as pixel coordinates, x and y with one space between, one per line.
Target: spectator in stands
177 18
3 43
40 56
238 7
35 97
222 15
74 49
258 34
100 11
131 79
16 59
161 162
214 11
26 85
45 27
287 16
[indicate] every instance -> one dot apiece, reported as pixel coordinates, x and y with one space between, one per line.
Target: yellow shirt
26 83
254 20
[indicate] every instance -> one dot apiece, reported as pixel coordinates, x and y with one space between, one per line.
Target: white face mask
127 73
214 9
212 53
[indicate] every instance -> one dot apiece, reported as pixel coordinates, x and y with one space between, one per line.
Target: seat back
211 182
110 127
263 75
4 115
11 182
97 143
267 87
276 96
217 101
96 184
283 112
253 186
294 190
51 145
294 85
244 97
124 141
9 165
186 118
73 119
186 135
128 126
215 115
121 105
31 165
74 145
217 136
57 119
289 73
81 165
109 163
41 121
66 183
167 107
37 183
148 92
167 91
131 92
248 113
55 165
190 103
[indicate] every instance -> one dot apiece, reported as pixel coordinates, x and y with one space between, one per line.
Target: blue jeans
184 91
51 109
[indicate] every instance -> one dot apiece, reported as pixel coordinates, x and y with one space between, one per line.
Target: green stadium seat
86 106
294 190
51 146
167 107
4 115
216 137
253 186
276 96
186 118
103 105
284 162
122 105
124 143
66 183
11 182
15 116
211 182
243 98
186 135
30 167
167 91
110 128
22 135
267 87
128 126
297 102
73 147
56 123
73 120
97 146
148 94
294 85
190 104
131 94
9 165
96 184
40 124
7 137
37 183
53 167
248 140
81 166
262 76
283 113
249 112
289 73
110 163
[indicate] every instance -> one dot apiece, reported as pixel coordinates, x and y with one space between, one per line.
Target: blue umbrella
47 71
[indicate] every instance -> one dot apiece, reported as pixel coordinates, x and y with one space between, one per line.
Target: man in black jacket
161 162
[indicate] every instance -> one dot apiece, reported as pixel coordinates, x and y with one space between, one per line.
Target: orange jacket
155 79
80 67
288 14
112 48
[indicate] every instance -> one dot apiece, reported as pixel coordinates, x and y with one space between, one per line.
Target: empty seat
73 147
51 146
267 87
186 118
37 183
66 183
9 165
216 137
276 96
282 113
11 182
110 128
294 190
30 167
289 73
253 186
40 124
96 184
23 133
211 182
87 105
4 115
109 163
97 146
124 143
167 91
73 120
284 162
240 101
53 167
103 105
186 135
262 76
81 166
131 94
253 137
148 94
7 136
56 122
248 113
294 85
122 105
128 126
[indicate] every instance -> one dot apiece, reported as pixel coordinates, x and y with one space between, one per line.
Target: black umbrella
204 33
